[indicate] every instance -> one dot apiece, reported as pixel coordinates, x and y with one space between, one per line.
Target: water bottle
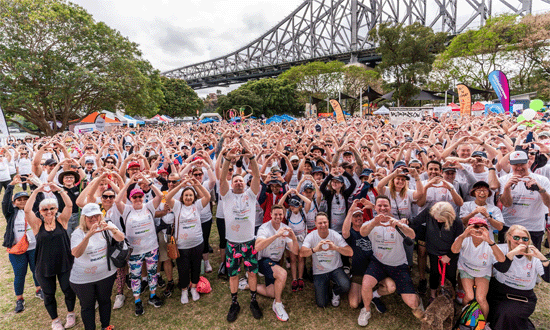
202 267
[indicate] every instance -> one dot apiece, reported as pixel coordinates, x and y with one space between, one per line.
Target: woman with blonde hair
443 226
92 278
511 294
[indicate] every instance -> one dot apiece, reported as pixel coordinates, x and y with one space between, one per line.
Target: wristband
312 252
253 157
494 243
543 261
492 168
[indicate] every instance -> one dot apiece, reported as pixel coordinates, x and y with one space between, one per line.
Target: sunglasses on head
108 196
49 209
523 238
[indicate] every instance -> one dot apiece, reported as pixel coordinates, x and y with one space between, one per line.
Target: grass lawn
211 310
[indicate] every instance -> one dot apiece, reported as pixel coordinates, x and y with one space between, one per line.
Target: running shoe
119 301
300 284
364 317
233 312
169 289
280 312
71 321
294 285
19 305
39 294
335 300
255 309
139 308
155 301
380 306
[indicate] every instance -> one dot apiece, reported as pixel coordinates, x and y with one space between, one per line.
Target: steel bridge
326 30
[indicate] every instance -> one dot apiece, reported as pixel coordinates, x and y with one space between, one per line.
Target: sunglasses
416 167
173 181
533 153
108 196
479 226
523 238
49 209
22 154
109 162
383 150
137 196
198 174
432 156
230 170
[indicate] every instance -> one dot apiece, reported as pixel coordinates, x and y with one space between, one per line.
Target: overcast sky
173 33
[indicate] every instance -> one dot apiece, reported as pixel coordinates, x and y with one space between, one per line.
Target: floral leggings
136 260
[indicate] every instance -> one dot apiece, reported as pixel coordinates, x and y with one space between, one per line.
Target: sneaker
184 297
380 306
294 285
300 284
347 270
233 312
155 301
335 300
460 294
19 305
194 294
169 289
39 294
422 286
56 325
71 321
419 311
255 309
364 317
243 284
109 328
161 283
119 301
207 266
280 312
144 286
139 308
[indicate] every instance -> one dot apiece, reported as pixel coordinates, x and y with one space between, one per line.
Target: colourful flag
339 113
3 126
500 84
465 98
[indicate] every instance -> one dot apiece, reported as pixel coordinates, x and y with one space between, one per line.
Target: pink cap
162 171
134 164
136 191
477 221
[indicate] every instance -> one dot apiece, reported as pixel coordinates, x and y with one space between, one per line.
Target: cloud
255 22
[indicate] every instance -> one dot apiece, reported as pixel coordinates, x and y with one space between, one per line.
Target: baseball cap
338 178
413 161
399 164
276 169
308 185
50 161
317 169
544 134
347 152
162 171
445 169
275 182
136 191
518 157
358 212
20 194
134 164
294 157
477 221
479 154
294 202
89 161
365 172
91 209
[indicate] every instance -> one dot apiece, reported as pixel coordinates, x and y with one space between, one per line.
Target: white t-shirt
4 170
206 213
140 228
19 230
404 204
325 261
114 216
25 166
527 207
387 245
469 207
275 250
298 226
436 194
91 266
188 220
240 216
338 213
476 261
522 274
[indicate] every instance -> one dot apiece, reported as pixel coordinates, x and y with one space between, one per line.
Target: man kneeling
271 240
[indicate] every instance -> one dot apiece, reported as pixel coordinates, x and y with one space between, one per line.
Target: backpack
471 318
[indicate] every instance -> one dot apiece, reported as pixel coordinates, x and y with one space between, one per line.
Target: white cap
294 157
91 209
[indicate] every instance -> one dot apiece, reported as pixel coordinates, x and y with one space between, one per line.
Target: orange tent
91 118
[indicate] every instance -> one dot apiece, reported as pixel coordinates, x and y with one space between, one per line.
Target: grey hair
48 201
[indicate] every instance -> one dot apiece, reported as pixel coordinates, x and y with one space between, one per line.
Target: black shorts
265 265
399 274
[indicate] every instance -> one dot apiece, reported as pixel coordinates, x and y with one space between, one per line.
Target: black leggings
48 287
450 271
4 184
189 265
220 223
206 228
88 294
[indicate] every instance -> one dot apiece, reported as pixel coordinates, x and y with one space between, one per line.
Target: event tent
382 111
109 118
278 119
139 122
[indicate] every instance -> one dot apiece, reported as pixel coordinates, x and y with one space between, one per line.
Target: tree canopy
57 64
180 100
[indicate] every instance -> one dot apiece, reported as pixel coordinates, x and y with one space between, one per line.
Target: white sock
375 294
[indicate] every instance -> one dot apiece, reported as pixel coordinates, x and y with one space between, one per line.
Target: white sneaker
71 320
335 300
280 312
364 317
194 294
184 297
119 301
243 284
207 267
56 325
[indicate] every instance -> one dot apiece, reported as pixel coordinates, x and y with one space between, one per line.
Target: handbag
118 253
21 246
171 245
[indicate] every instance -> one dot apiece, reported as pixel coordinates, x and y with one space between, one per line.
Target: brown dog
440 314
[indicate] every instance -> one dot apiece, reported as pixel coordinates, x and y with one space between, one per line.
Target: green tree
407 56
59 65
267 96
179 99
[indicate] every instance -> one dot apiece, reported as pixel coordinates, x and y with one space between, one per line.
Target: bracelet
492 168
253 157
543 261
494 243
226 159
312 252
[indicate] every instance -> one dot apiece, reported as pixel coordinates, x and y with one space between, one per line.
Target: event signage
500 84
3 126
339 113
399 115
465 98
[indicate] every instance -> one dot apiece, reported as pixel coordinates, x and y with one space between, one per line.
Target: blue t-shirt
362 252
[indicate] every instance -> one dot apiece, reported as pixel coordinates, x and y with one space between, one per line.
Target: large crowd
344 205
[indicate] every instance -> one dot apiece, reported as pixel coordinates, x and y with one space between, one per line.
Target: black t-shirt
73 194
362 252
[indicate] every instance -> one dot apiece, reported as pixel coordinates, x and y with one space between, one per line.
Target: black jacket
438 241
329 194
10 213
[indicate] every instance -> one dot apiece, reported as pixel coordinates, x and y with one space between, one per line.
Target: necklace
49 226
